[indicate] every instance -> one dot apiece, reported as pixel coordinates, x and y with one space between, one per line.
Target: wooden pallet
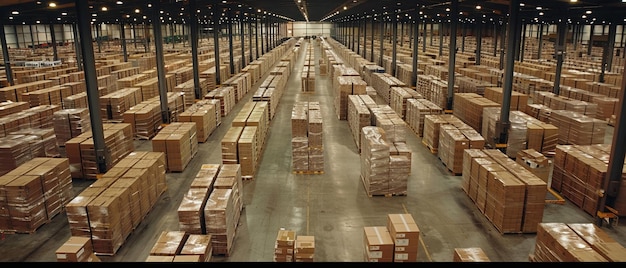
308 172
386 195
432 150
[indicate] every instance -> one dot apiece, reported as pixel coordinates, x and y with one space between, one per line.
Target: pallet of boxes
397 241
283 248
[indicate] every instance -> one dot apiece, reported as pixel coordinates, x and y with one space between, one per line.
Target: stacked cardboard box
304 248
76 249
405 234
346 85
179 143
510 196
118 201
226 96
395 127
535 162
33 193
204 114
432 124
78 100
169 243
469 108
113 105
229 145
557 242
383 82
358 116
230 177
434 89
416 109
284 246
379 245
470 255
219 216
374 160
579 174
399 99
518 100
453 141
41 141
525 132
577 128
191 209
81 153
307 140
69 123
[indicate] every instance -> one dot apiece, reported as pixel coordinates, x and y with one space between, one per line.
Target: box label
375 254
402 242
401 256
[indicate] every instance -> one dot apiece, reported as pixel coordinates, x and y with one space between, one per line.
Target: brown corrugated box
379 246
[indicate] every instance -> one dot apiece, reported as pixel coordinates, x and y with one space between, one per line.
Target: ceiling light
137 10
345 7
588 12
540 13
64 14
478 7
522 4
37 21
573 1
52 4
538 8
119 2
15 12
104 9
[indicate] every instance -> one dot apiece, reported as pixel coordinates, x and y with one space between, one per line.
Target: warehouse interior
312 131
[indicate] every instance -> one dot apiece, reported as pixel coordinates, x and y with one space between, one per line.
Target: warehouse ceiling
176 11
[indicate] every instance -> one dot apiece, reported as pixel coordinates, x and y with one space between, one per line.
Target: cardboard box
378 244
75 249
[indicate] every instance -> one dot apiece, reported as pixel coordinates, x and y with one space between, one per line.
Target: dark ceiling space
174 11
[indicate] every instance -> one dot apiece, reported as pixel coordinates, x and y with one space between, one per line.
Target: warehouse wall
303 28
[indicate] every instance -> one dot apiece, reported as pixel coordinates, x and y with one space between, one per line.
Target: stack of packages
179 246
374 161
305 248
575 242
385 165
306 131
191 208
33 193
179 143
405 234
69 123
470 255
219 216
284 246
378 244
76 249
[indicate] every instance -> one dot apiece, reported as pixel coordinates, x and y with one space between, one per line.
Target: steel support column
358 36
590 42
559 55
242 39
463 34
415 47
123 41
372 41
394 43
5 55
193 25
229 31
216 44
160 62
249 37
382 30
91 80
55 54
540 45
77 47
610 47
479 41
256 36
502 125
454 20
611 196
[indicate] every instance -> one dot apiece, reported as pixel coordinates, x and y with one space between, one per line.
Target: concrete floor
332 206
